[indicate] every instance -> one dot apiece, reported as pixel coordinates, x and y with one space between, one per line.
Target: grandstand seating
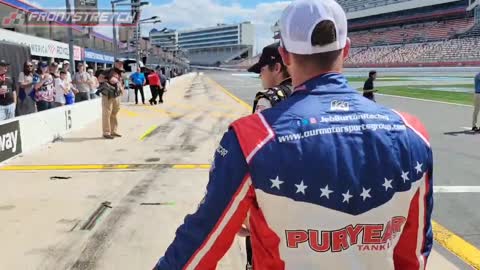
472 32
459 51
412 33
355 5
441 34
455 50
448 52
215 57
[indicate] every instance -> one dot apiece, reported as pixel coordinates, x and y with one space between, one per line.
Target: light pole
154 20
115 45
119 3
70 38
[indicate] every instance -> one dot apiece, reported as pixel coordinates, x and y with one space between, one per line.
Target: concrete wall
26 133
35 130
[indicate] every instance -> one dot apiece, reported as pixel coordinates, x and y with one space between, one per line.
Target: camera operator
111 89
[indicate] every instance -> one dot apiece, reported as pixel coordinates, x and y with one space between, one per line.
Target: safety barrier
29 132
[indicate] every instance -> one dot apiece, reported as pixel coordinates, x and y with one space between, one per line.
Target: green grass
380 79
432 87
446 96
356 79
391 79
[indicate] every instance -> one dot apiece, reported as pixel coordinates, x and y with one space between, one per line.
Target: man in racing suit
278 86
275 79
330 180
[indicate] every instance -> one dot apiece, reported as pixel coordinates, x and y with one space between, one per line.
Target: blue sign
94 56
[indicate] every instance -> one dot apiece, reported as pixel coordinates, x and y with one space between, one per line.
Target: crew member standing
138 80
476 103
368 88
155 87
328 179
163 83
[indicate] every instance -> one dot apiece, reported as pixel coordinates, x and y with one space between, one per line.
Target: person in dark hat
7 93
275 79
278 86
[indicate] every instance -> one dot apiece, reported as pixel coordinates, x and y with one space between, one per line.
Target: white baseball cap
301 17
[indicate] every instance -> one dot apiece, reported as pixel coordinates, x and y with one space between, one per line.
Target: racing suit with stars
330 181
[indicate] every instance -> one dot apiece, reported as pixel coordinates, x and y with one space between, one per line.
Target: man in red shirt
154 81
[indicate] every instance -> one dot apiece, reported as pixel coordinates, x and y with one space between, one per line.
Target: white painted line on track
245 75
456 189
427 100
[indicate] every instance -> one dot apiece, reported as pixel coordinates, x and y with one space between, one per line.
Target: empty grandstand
413 33
211 46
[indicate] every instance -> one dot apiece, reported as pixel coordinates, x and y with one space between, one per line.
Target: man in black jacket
278 86
275 79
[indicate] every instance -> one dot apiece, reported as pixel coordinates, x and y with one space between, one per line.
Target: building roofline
212 27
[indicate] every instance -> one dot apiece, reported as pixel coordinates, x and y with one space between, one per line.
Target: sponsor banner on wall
41 46
94 56
10 140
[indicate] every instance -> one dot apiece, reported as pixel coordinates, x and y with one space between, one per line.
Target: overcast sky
188 14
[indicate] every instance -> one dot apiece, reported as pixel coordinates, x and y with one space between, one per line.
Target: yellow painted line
129 113
243 103
74 167
51 167
148 132
163 111
123 166
191 166
184 166
464 250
